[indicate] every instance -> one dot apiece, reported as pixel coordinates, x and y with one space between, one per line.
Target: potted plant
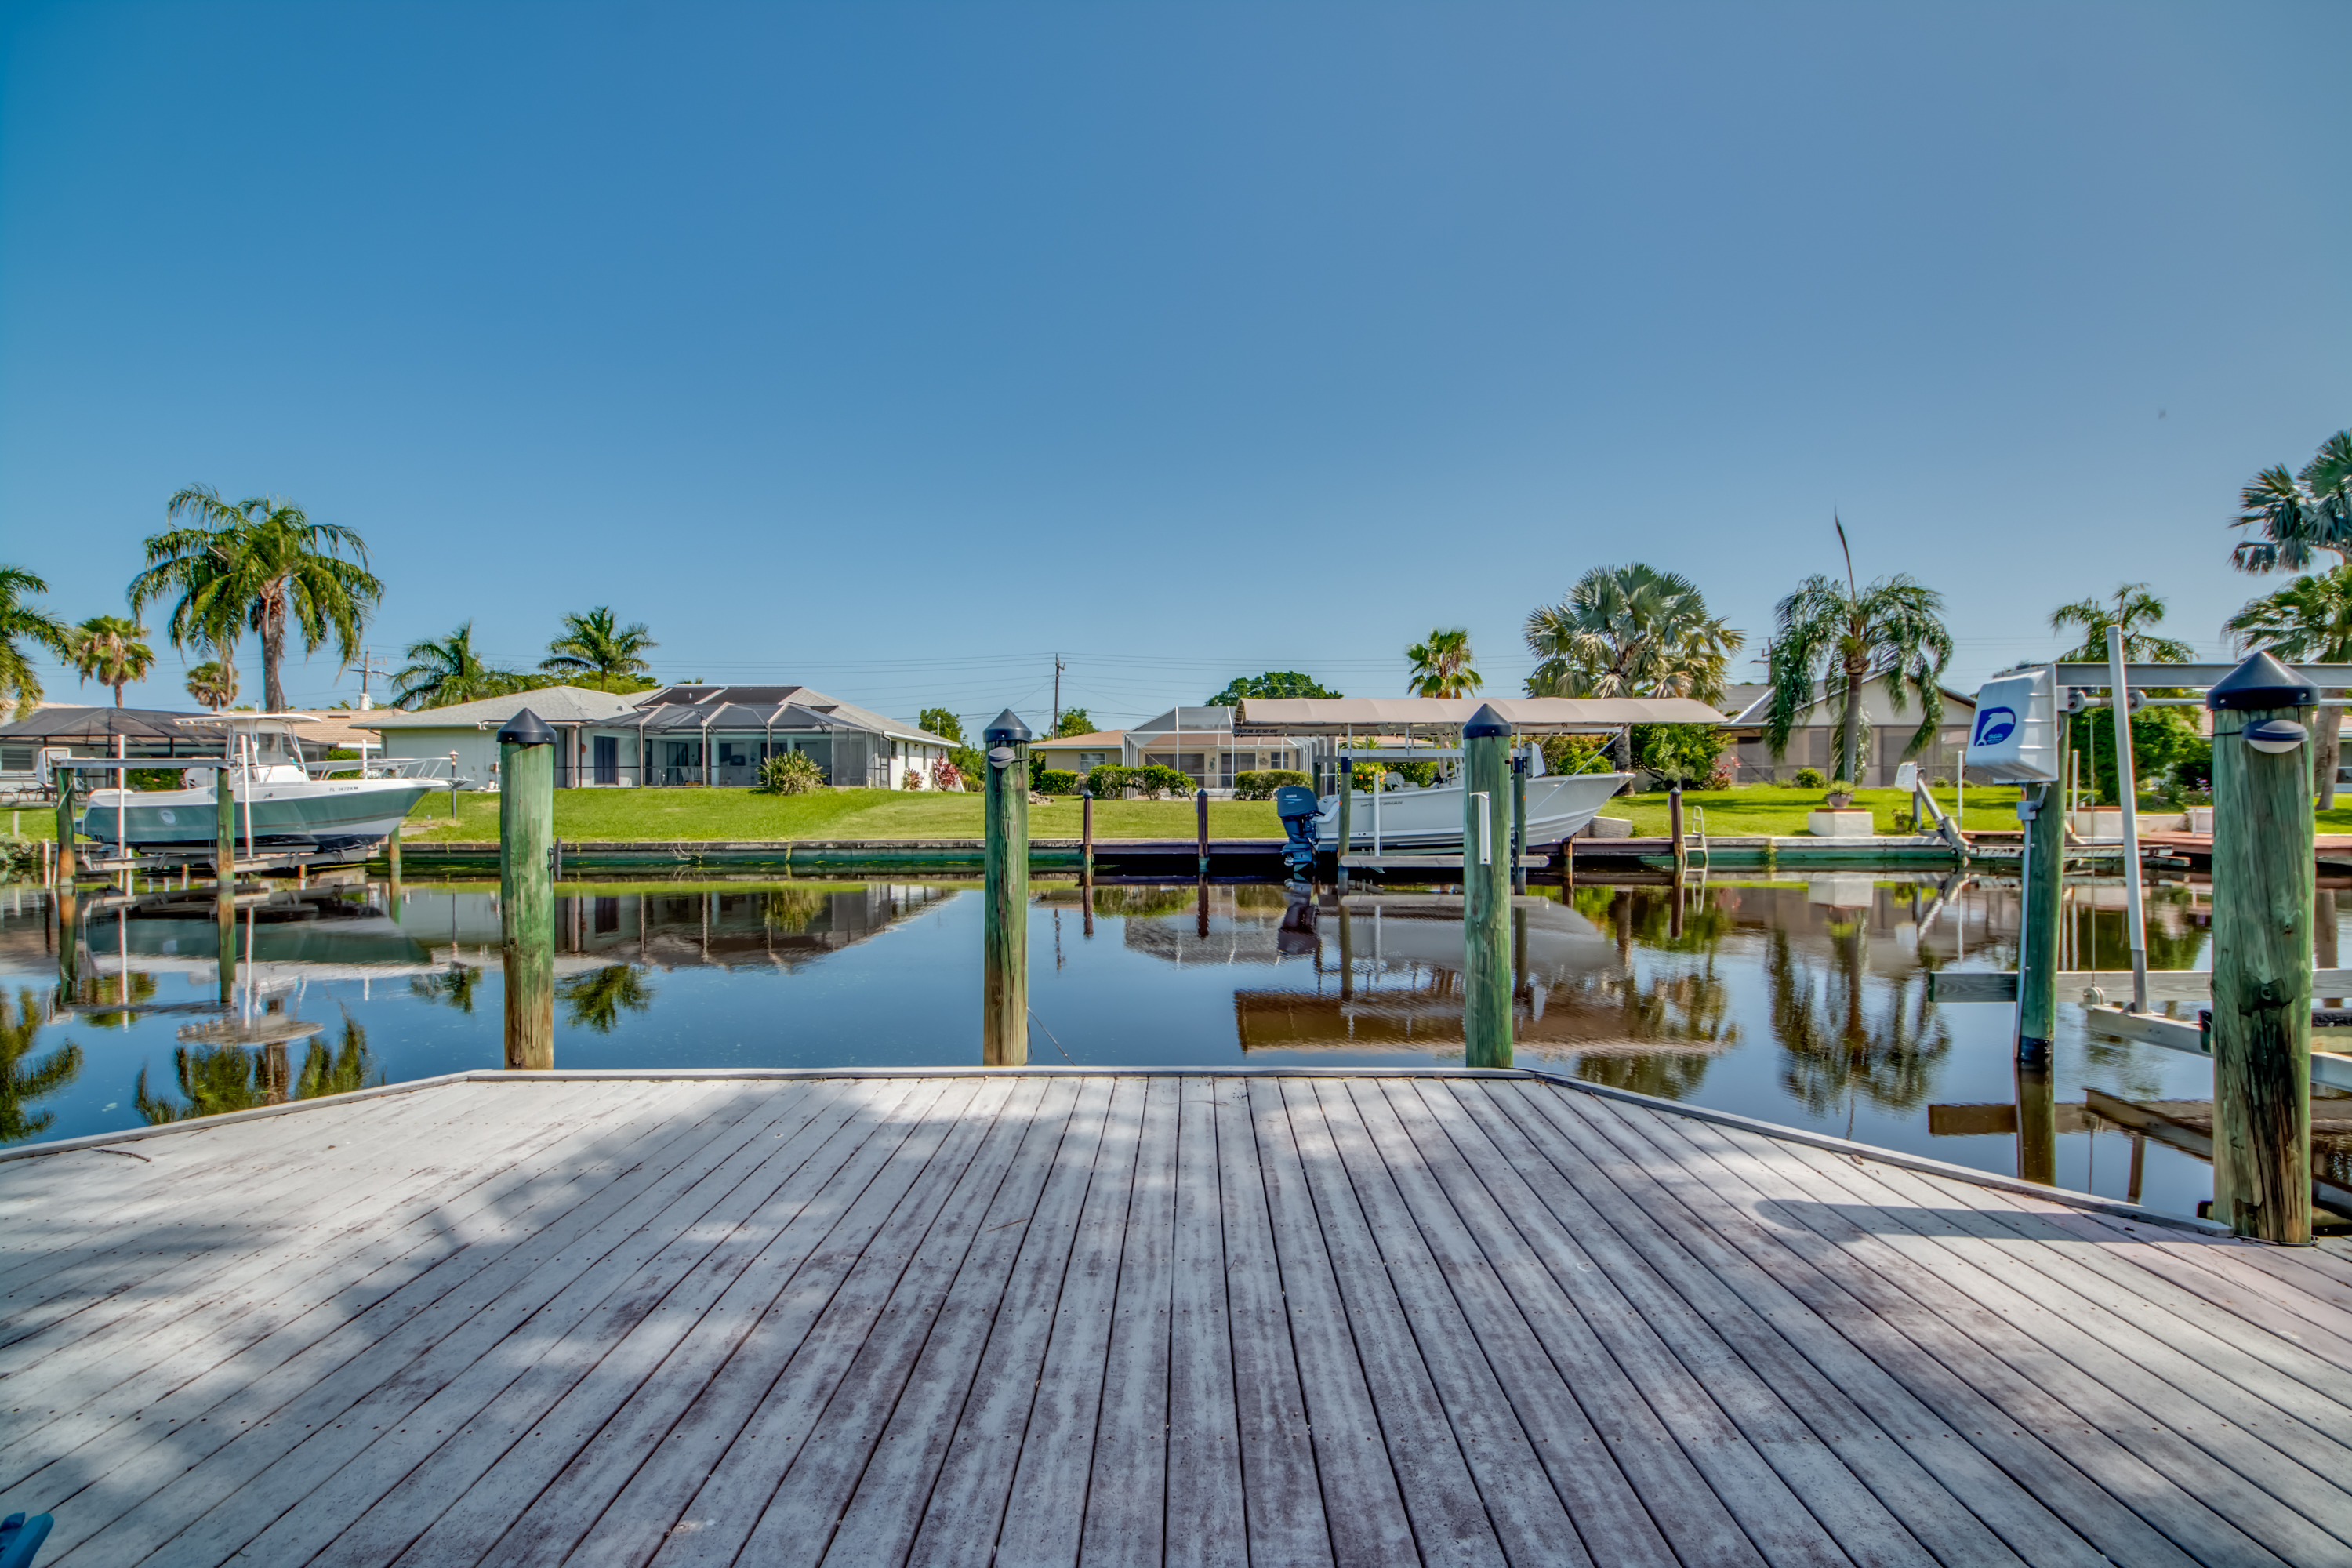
1841 793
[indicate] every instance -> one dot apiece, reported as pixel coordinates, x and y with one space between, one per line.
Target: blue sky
893 349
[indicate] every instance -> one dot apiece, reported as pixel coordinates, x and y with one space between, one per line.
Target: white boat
282 802
1409 820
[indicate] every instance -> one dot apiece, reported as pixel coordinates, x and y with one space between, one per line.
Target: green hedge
1056 781
1262 783
1110 782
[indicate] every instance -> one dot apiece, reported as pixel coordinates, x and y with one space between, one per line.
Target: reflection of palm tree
216 1079
453 986
596 1000
1834 1048
339 1072
22 1081
1668 1076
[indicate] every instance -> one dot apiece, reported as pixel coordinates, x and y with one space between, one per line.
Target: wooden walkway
1217 1318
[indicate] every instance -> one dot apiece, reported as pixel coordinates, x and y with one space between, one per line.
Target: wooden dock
1033 1317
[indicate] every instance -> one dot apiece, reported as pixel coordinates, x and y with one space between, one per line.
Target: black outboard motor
1298 807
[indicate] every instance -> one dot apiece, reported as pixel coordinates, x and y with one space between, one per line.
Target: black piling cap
1008 731
526 729
2262 682
1485 724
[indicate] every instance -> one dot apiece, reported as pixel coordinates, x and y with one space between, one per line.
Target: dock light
2275 735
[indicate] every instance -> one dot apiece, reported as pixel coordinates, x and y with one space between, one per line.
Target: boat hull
325 814
1558 807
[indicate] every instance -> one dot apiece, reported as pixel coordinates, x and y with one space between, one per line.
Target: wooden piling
1200 828
66 779
1519 822
2262 899
225 879
1347 819
2045 866
1487 891
1087 845
1674 821
1005 941
527 887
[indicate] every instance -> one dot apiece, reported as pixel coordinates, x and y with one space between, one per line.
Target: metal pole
2262 885
2128 787
527 887
1487 891
1004 940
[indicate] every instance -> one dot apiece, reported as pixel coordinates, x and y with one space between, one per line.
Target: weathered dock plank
1039 1317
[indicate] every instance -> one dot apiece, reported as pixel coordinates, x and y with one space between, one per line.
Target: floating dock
1024 1317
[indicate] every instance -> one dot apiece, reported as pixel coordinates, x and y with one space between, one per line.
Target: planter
1838 802
1841 825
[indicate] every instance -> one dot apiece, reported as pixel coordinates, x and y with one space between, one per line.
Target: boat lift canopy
1526 715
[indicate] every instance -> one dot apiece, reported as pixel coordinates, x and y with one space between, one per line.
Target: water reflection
1803 1001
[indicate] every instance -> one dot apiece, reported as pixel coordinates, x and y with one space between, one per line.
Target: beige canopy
1528 715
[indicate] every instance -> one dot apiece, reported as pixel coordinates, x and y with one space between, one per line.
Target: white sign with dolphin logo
2015 739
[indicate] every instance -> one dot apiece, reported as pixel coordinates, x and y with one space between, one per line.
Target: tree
598 652
214 684
1844 636
1273 684
1630 631
1441 666
2298 514
2135 610
113 650
443 670
1074 721
20 624
1678 751
942 723
261 564
2309 621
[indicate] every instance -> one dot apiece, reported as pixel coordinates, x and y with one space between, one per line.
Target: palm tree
113 650
1630 631
2298 514
443 670
2309 621
2135 610
214 684
21 623
596 651
1441 666
261 564
1844 637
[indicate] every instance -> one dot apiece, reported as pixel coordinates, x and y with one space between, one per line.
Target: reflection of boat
1558 807
279 803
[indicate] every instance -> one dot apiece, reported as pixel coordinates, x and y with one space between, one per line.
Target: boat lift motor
1298 807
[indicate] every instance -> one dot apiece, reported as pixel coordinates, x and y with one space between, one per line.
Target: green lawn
684 814
1759 809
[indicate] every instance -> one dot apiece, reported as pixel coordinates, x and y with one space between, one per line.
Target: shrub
1158 783
945 774
1577 754
1721 778
911 779
1057 781
795 772
1110 780
1811 778
1262 783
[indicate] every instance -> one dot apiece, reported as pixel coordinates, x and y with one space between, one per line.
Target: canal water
1799 1001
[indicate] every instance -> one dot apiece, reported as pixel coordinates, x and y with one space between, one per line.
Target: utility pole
1059 667
367 666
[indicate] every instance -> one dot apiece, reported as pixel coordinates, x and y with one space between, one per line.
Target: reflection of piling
2037 947
1200 919
1005 943
1487 891
225 879
2262 875
1347 955
527 887
69 940
2037 1123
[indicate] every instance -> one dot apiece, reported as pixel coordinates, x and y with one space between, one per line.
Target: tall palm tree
214 684
1441 666
1630 631
20 624
1844 636
261 564
2135 610
443 670
2309 621
2296 515
114 649
596 650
